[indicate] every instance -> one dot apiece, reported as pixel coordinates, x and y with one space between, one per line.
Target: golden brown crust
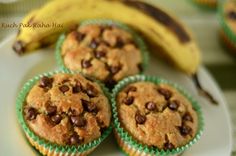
67 109
156 115
107 53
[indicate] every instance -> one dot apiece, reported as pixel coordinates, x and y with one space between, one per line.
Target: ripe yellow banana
156 25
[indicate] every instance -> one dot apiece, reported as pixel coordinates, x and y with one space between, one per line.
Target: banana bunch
42 27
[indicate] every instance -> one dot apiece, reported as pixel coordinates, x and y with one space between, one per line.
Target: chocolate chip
173 105
93 44
110 82
19 47
74 139
56 118
51 110
102 129
77 88
45 82
64 88
119 43
92 108
71 112
99 54
187 117
79 36
85 103
114 69
140 67
88 106
128 100
166 93
232 15
91 91
31 113
168 146
150 106
140 119
102 29
86 63
185 130
131 89
78 121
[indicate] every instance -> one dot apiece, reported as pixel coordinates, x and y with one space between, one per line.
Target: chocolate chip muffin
67 110
107 52
208 4
228 24
155 115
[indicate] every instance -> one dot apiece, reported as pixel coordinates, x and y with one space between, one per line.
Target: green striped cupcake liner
128 141
43 145
106 22
226 29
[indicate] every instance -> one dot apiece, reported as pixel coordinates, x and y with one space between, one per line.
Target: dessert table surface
203 23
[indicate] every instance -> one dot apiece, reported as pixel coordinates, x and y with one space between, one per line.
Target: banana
158 27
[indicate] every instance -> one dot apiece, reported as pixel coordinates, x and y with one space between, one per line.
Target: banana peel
158 27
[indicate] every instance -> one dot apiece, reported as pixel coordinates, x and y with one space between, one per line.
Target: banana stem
202 91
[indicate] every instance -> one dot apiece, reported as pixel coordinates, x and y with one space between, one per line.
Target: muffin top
67 109
156 115
107 53
230 14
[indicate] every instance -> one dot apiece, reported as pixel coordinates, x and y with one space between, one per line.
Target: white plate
14 72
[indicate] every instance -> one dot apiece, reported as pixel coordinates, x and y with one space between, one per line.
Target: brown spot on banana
161 17
31 20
